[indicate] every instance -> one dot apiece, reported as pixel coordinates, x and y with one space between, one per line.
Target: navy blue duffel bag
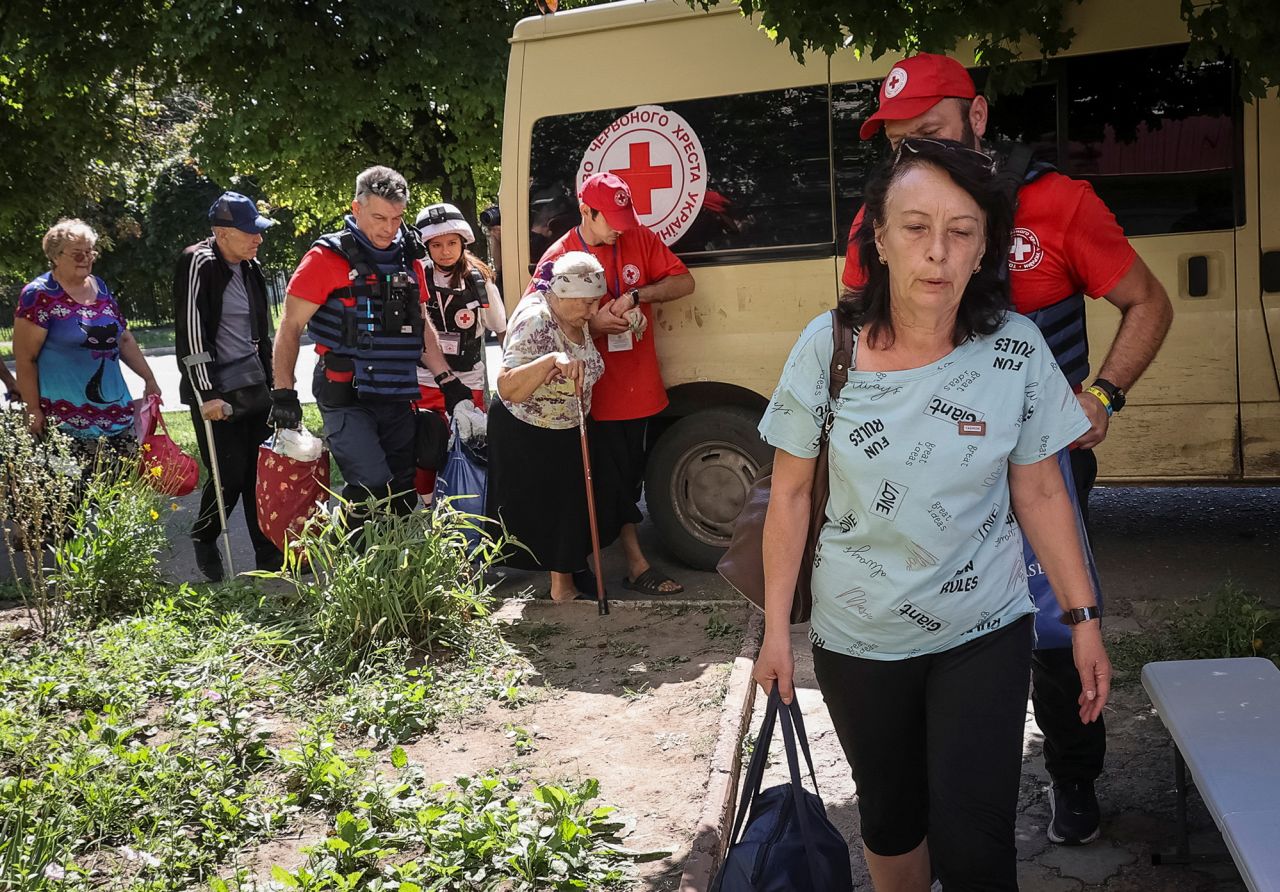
789 845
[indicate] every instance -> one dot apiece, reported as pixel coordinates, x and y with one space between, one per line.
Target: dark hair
986 296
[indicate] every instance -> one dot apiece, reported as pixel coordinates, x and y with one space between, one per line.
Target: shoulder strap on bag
841 355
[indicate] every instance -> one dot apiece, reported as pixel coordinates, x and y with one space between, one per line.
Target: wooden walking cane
601 600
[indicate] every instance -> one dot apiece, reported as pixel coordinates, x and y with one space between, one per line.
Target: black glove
286 411
454 392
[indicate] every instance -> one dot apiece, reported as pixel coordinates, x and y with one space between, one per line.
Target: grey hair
68 229
382 182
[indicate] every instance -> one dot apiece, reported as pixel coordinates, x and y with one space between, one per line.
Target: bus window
753 172
1155 137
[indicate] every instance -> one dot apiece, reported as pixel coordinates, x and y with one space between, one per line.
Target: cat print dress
82 389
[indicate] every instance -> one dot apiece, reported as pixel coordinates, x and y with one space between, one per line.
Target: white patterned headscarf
577 275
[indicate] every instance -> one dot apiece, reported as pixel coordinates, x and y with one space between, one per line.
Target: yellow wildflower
155 515
156 471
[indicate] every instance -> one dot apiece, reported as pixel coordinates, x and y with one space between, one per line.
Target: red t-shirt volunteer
632 384
1065 241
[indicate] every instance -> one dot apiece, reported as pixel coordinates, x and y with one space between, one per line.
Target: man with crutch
224 356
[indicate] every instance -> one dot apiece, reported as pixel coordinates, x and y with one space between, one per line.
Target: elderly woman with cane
943 450
537 473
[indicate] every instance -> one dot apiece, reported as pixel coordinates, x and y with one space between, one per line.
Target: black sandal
650 583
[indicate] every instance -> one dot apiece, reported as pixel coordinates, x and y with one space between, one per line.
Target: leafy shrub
111 559
39 482
395 577
1229 622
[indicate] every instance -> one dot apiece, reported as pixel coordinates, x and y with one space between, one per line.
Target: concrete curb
712 836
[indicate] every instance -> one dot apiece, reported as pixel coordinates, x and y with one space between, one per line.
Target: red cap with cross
609 194
916 85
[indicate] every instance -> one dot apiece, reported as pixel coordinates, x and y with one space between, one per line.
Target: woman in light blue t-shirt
943 453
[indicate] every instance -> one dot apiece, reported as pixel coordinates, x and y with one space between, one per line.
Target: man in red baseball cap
640 271
916 85
1066 245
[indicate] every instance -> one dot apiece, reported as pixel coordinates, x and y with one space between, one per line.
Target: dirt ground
632 699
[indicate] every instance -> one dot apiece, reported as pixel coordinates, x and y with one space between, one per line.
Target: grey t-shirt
921 551
238 364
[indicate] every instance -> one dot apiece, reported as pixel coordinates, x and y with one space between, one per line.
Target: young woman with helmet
463 303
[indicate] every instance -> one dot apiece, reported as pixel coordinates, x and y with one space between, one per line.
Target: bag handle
789 736
754 777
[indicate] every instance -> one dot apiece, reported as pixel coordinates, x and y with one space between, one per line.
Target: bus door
1259 303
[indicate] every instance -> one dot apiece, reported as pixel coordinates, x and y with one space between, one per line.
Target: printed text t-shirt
920 551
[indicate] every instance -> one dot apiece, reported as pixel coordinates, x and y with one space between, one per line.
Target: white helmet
442 219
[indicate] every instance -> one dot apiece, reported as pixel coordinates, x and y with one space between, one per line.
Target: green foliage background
134 115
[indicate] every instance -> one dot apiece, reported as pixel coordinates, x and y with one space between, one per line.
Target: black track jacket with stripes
199 280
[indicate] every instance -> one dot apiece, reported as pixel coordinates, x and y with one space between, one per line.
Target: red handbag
164 465
288 492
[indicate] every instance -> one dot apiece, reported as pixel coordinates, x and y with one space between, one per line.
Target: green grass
183 433
156 747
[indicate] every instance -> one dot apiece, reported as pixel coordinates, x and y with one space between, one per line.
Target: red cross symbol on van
643 176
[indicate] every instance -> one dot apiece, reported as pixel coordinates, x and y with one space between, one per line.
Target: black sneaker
1076 816
209 560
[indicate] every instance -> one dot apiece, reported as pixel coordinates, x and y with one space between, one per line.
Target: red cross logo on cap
895 83
644 177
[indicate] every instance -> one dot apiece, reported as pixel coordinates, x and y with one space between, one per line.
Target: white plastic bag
471 423
298 445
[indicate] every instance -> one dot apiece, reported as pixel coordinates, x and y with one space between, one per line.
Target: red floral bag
288 491
163 464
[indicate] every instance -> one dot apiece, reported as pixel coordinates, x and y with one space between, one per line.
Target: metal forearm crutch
191 362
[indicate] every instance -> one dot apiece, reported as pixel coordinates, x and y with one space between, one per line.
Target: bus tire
698 476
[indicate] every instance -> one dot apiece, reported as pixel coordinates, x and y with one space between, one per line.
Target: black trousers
235 443
1073 751
935 745
372 442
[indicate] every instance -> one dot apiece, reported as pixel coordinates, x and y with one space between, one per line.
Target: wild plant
412 577
111 558
39 482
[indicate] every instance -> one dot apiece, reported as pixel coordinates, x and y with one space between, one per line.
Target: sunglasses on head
920 145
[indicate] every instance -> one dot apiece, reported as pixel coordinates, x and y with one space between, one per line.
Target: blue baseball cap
239 212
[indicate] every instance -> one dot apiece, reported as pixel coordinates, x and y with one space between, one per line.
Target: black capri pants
935 744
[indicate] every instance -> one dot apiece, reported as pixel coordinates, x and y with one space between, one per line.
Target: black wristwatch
1077 615
634 293
1114 393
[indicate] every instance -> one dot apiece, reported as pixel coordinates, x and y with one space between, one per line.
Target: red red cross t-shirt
632 384
1065 241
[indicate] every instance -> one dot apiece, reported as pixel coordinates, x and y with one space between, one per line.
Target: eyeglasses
924 146
81 256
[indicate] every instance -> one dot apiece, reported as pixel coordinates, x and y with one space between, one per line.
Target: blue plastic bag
1050 632
465 475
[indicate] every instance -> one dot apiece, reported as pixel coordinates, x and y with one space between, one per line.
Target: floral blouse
532 333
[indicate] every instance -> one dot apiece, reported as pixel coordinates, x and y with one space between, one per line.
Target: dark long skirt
538 491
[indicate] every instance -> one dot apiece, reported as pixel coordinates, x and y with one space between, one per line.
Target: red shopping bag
288 492
164 465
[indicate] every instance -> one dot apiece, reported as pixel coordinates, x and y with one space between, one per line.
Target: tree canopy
1246 30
